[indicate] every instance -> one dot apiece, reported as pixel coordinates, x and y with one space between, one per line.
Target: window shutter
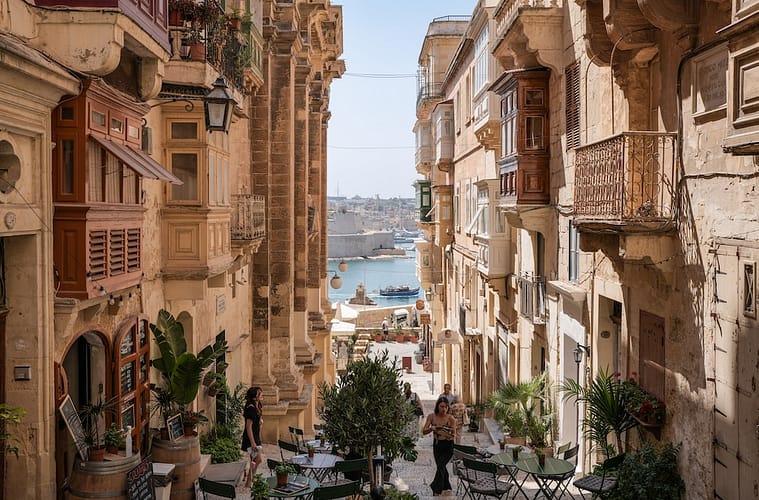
97 255
133 250
117 257
572 78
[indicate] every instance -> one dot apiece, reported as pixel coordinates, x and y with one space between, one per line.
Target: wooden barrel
101 479
184 453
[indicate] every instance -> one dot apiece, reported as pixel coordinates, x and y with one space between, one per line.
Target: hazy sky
371 141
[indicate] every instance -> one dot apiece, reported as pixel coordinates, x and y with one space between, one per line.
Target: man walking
447 394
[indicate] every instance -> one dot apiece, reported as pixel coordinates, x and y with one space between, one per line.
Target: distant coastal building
347 237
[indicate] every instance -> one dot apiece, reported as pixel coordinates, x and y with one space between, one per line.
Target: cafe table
317 466
319 447
548 476
311 485
505 460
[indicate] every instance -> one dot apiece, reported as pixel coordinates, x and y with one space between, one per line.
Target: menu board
174 424
140 481
74 425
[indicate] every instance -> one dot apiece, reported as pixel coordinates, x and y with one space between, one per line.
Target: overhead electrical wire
380 75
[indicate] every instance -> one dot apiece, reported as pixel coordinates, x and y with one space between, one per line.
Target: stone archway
83 376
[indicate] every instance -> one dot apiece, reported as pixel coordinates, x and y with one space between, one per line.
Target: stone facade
227 231
644 248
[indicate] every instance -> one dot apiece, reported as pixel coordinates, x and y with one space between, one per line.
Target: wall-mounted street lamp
218 105
336 282
578 352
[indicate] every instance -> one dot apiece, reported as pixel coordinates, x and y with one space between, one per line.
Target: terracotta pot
311 453
234 23
518 440
189 430
502 445
113 450
97 454
542 460
281 479
198 52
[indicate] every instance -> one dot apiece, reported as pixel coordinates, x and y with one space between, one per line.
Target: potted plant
643 406
365 410
310 450
606 413
475 411
650 472
218 385
93 417
283 470
180 369
114 438
9 415
259 488
538 430
516 404
191 420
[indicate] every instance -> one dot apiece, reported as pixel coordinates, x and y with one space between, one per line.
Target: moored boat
399 291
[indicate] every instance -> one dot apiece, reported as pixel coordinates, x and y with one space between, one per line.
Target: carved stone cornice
597 43
489 134
626 25
533 38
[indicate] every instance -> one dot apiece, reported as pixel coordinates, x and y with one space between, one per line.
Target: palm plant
180 370
605 403
517 406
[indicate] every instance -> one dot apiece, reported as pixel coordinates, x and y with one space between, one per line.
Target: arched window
132 380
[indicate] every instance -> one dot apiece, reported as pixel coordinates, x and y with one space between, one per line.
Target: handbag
418 411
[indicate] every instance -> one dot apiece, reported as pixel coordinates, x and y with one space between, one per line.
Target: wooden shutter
97 255
572 78
652 364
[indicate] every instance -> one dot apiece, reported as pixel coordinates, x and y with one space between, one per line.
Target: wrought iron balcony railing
508 10
248 217
628 178
532 298
428 90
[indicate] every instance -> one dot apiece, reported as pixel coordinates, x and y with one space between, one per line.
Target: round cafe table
317 466
327 448
549 476
309 486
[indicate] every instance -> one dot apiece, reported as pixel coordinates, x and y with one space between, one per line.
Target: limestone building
623 181
119 200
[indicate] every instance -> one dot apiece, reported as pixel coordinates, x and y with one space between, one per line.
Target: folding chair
484 481
461 451
570 455
563 448
297 437
337 491
285 446
352 470
222 490
600 486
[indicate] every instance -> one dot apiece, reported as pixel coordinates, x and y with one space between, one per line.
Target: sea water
376 273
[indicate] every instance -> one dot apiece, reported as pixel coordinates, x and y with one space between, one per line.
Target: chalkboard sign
174 424
74 425
140 481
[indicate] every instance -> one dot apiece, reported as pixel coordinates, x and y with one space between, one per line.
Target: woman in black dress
251 434
443 425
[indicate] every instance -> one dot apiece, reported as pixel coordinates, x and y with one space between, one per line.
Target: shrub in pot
114 438
650 473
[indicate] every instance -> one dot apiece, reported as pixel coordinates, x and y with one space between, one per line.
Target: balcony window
508 124
481 55
184 130
533 133
185 167
574 253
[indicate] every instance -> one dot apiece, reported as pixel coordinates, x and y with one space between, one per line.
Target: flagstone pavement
416 476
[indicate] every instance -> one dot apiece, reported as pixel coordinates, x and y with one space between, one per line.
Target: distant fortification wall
357 245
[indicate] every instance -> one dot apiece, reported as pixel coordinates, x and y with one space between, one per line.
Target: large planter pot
185 455
518 440
101 479
198 52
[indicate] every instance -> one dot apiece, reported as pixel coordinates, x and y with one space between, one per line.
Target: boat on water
399 291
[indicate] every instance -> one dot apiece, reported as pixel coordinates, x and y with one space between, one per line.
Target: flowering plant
643 405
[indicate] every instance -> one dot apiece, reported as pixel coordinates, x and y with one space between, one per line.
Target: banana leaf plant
181 371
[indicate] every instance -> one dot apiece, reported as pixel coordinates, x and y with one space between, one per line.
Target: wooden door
652 361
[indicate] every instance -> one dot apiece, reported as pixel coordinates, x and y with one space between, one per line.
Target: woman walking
412 428
251 434
443 426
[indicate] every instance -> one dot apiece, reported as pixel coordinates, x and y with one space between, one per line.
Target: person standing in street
458 410
251 434
384 327
443 426
447 394
412 428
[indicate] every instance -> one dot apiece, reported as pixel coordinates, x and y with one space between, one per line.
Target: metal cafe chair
459 453
337 491
222 490
570 455
484 481
286 446
600 486
297 437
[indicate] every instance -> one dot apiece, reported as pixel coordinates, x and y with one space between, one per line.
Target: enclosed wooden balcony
424 153
428 268
626 183
248 217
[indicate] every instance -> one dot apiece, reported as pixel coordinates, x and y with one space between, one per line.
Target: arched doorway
83 376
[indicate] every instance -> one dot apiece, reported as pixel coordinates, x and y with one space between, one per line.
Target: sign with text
140 481
74 425
174 425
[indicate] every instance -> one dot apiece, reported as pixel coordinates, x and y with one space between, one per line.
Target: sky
370 142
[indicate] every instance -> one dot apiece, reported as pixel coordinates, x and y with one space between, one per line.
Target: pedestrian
443 426
458 410
412 428
447 394
384 327
251 434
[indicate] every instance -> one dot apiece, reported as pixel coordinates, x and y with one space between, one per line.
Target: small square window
98 118
117 125
184 130
533 97
67 113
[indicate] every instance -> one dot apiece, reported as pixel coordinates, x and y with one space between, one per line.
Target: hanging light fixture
342 266
219 104
578 352
336 282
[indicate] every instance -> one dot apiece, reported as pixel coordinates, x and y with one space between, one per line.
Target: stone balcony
529 33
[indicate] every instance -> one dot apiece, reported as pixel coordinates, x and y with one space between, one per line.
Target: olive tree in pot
180 370
365 412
